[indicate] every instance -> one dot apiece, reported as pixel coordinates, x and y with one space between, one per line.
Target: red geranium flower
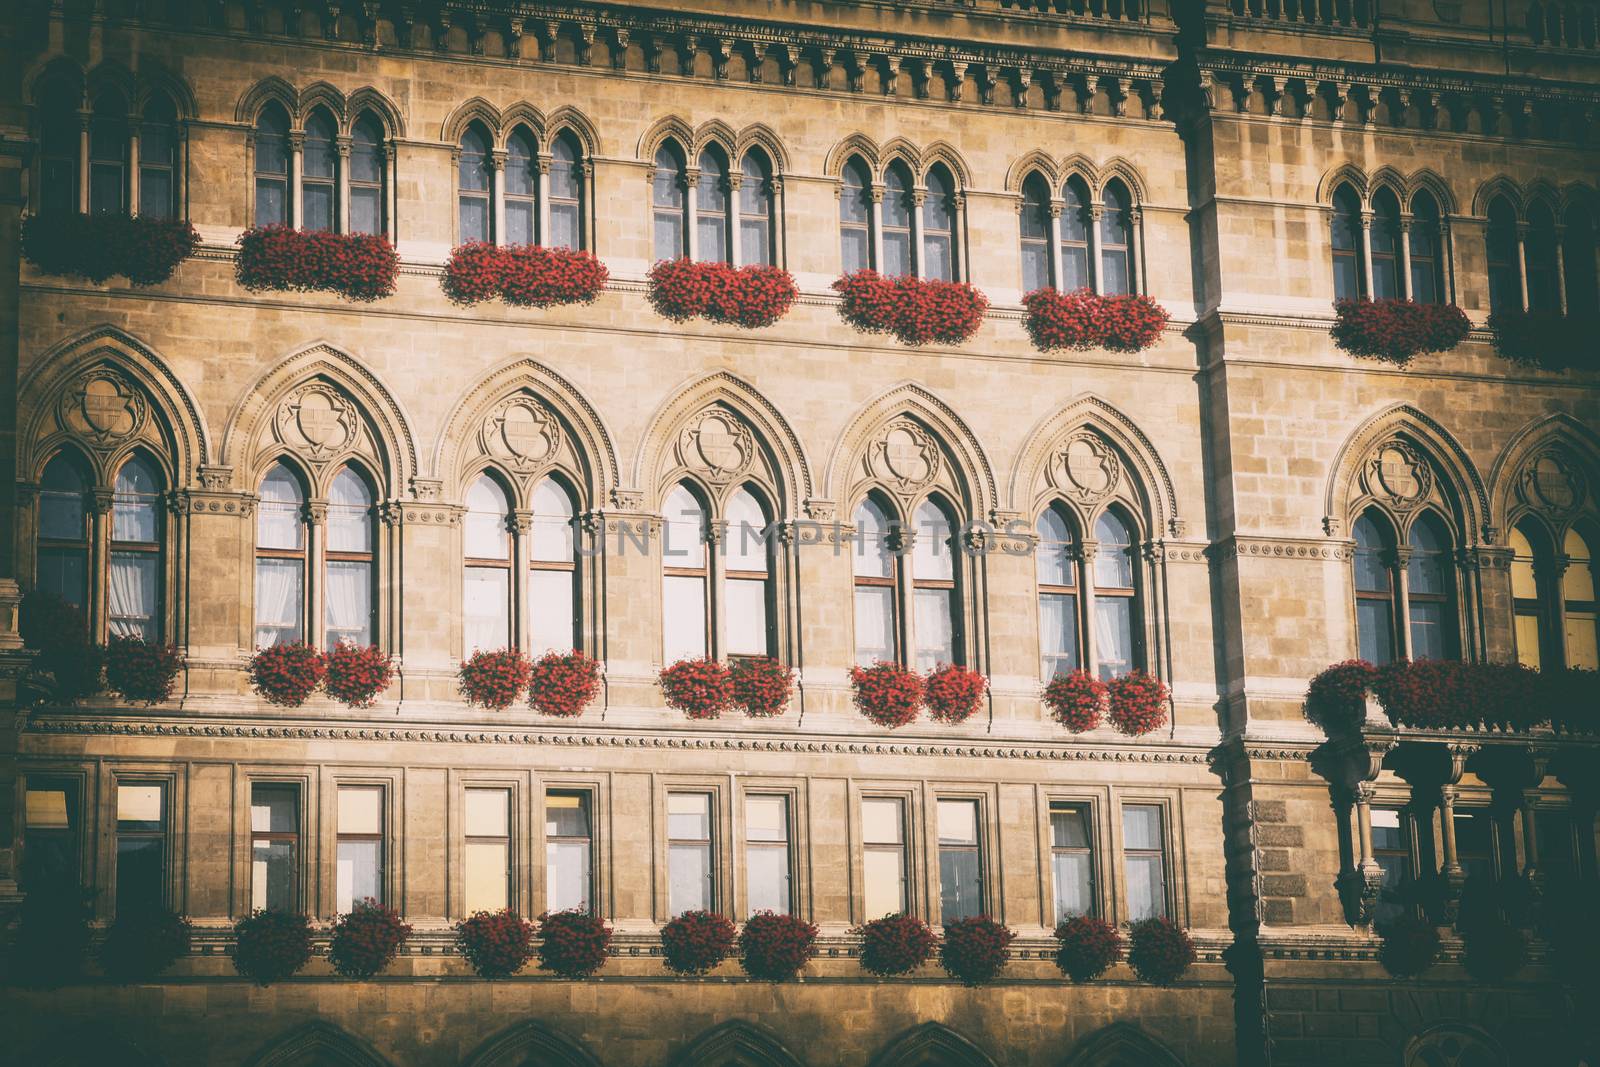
366 939
775 947
895 944
1086 947
1138 702
144 249
752 297
357 674
494 679
886 693
700 688
916 311
976 949
1077 700
142 670
1083 320
761 685
1159 951
573 943
697 941
497 944
271 945
953 693
1396 331
357 266
563 683
287 674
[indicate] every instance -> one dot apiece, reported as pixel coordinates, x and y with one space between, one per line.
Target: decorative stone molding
1281 548
430 514
201 502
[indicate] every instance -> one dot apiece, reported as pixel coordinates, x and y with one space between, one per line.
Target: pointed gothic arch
571 119
1344 174
1428 181
931 1045
530 1042
368 99
1121 1045
1550 466
1419 439
330 1045
1499 186
1029 163
521 113
759 135
1118 168
475 110
944 152
855 144
973 476
736 1043
669 127
271 88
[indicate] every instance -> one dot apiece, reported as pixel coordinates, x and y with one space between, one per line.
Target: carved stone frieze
904 455
317 422
1552 483
103 408
1398 475
521 433
717 445
1086 469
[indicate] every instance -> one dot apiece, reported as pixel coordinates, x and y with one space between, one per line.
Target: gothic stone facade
1198 153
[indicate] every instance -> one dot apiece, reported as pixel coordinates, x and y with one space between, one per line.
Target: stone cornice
1236 545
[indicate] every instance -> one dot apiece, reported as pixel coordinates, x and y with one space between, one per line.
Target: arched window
1530 612
108 154
521 188
1116 241
1427 264
473 186
566 193
1349 280
553 574
1035 234
366 176
349 592
667 200
272 167
319 173
897 208
1578 602
280 559
1385 246
755 210
486 547
1075 221
685 577
63 561
746 577
875 566
158 154
936 612
939 227
1577 254
1500 241
855 217
1116 615
1056 565
1374 582
133 595
1430 590
711 207
1541 259
58 152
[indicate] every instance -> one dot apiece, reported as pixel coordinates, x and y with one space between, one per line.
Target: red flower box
1396 331
1410 946
59 636
143 943
886 693
1547 339
573 944
774 947
895 944
697 941
271 945
1448 694
497 944
494 679
752 297
1086 947
523 275
1077 700
1159 951
366 939
700 688
975 950
141 248
286 675
1082 320
562 684
357 674
357 266
953 694
761 685
1138 702
916 311
1337 698
141 670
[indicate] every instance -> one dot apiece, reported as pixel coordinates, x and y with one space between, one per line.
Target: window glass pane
767 872
1053 556
132 594
155 192
519 170
366 157
349 514
106 184
883 882
938 208
485 533
566 170
1371 570
1524 582
688 815
1528 640
486 608
690 878
1428 631
935 627
754 241
746 602
359 873
766 819
278 518
1430 547
874 623
360 809
272 143
565 226
897 203
873 559
667 189
473 173
61 503
711 194
855 204
272 202
1069 827
1035 266
1075 212
566 815
273 809
1058 635
273 876
65 574
474 219
554 612
683 530
932 557
881 822
1386 831
668 235
568 881
1113 619
1141 826
1577 581
316 211
1582 649
960 895
317 156
141 875
46 809
487 876
855 249
280 595
135 502
1147 891
958 822
939 257
683 620
896 254
744 544
1113 560
1075 264
712 232
1074 883
140 807
553 532
519 222
487 812
349 602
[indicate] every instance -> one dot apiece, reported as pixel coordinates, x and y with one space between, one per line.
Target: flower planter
761 685
697 941
59 636
356 266
1396 331
1337 698
1082 320
775 947
913 310
1137 703
1448 694
751 297
1159 951
1086 947
1077 700
975 950
886 693
523 275
1547 339
496 944
286 675
143 943
143 249
1410 946
895 944
366 939
953 694
357 675
573 944
562 684
494 679
700 688
271 945
141 670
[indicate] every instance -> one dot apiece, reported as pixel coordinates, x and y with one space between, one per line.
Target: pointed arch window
746 576
272 166
685 577
566 193
63 558
1430 590
939 250
59 144
711 203
521 188
280 558
1349 276
486 546
319 173
755 210
1530 612
133 593
720 603
1427 264
668 203
1116 596
1075 221
158 155
1578 258
108 154
936 615
1374 584
366 176
855 217
350 575
1541 260
1578 603
898 206
1385 246
1500 245
1056 566
1035 234
875 566
553 574
474 186
1116 241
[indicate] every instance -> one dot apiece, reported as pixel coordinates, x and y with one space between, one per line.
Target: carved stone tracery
1397 474
520 433
1085 468
904 456
717 445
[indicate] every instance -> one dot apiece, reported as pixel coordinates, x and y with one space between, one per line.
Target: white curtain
349 596
553 625
683 617
1058 635
1113 634
485 602
279 595
935 630
746 600
132 594
874 623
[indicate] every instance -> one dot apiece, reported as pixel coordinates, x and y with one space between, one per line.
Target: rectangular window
766 832
1558 856
156 151
874 623
1145 855
569 852
555 618
1475 846
1071 859
960 860
935 627
486 607
1058 634
1392 852
1114 634
689 853
50 834
141 845
746 601
275 846
360 846
486 853
683 617
280 596
883 860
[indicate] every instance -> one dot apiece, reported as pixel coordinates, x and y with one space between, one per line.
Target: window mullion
1056 276
297 142
541 207
341 198
691 196
316 523
83 161
1400 583
497 193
